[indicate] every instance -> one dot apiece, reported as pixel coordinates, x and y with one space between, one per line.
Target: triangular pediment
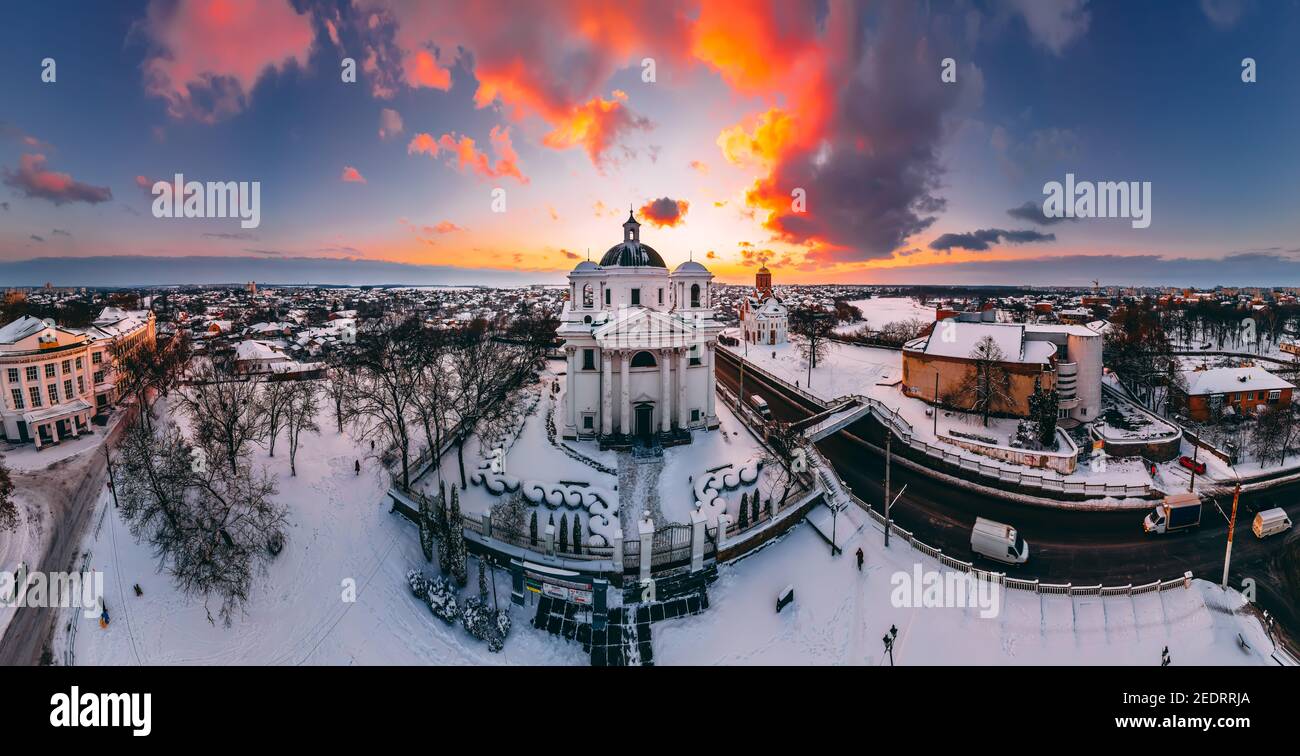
648 328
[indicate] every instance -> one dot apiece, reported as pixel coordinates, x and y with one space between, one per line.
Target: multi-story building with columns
640 347
53 380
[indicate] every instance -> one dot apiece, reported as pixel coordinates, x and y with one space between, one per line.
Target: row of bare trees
404 383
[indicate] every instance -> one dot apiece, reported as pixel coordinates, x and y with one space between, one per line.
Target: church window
607 297
588 298
589 359
661 295
695 295
643 359
636 296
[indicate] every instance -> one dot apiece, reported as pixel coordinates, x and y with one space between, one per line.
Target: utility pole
1232 524
112 481
1196 453
889 437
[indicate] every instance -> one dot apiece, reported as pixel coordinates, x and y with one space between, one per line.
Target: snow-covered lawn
839 616
339 530
878 312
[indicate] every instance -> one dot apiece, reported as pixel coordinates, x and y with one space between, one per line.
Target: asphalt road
1078 546
72 497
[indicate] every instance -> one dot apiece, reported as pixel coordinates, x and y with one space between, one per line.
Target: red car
1191 464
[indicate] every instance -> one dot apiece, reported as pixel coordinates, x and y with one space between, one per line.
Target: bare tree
226 412
300 415
274 400
1269 436
387 363
435 393
8 508
812 327
490 368
141 368
209 526
988 383
339 386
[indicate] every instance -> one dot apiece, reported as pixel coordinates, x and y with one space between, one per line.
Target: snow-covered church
640 347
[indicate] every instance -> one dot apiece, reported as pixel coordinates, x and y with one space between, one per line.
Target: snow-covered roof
257 350
20 329
1230 380
953 338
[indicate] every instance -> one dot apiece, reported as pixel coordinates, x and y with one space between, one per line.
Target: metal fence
1020 584
902 430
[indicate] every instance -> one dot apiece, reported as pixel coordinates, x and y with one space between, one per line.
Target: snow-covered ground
839 616
878 312
339 530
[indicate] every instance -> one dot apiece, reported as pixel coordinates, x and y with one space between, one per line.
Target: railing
1021 584
903 431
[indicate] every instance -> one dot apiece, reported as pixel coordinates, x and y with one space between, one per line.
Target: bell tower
763 280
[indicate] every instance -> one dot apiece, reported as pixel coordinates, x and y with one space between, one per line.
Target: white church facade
764 319
639 343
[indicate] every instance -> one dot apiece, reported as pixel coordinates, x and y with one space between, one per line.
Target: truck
760 406
1270 522
998 542
1177 512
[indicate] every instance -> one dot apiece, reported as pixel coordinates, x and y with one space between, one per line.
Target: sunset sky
906 178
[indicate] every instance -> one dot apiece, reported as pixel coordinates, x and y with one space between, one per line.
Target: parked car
1194 465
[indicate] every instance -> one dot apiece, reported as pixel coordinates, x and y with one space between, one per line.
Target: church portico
639 345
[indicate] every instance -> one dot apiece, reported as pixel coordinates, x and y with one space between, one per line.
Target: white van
760 405
1270 522
997 541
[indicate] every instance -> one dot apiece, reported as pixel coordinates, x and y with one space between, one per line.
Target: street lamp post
889 642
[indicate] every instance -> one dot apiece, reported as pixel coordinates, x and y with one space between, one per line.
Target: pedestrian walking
859 559
357 466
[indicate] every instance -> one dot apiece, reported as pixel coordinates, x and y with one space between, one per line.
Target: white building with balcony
640 343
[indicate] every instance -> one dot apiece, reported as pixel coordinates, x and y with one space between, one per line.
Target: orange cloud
352 175
212 52
699 166
665 212
446 227
760 142
596 125
551 65
462 150
422 70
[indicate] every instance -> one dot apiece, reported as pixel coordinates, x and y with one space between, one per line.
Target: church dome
586 265
690 266
631 254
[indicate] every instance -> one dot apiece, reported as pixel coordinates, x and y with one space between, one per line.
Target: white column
646 531
682 417
665 392
697 540
606 393
712 386
570 393
625 394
